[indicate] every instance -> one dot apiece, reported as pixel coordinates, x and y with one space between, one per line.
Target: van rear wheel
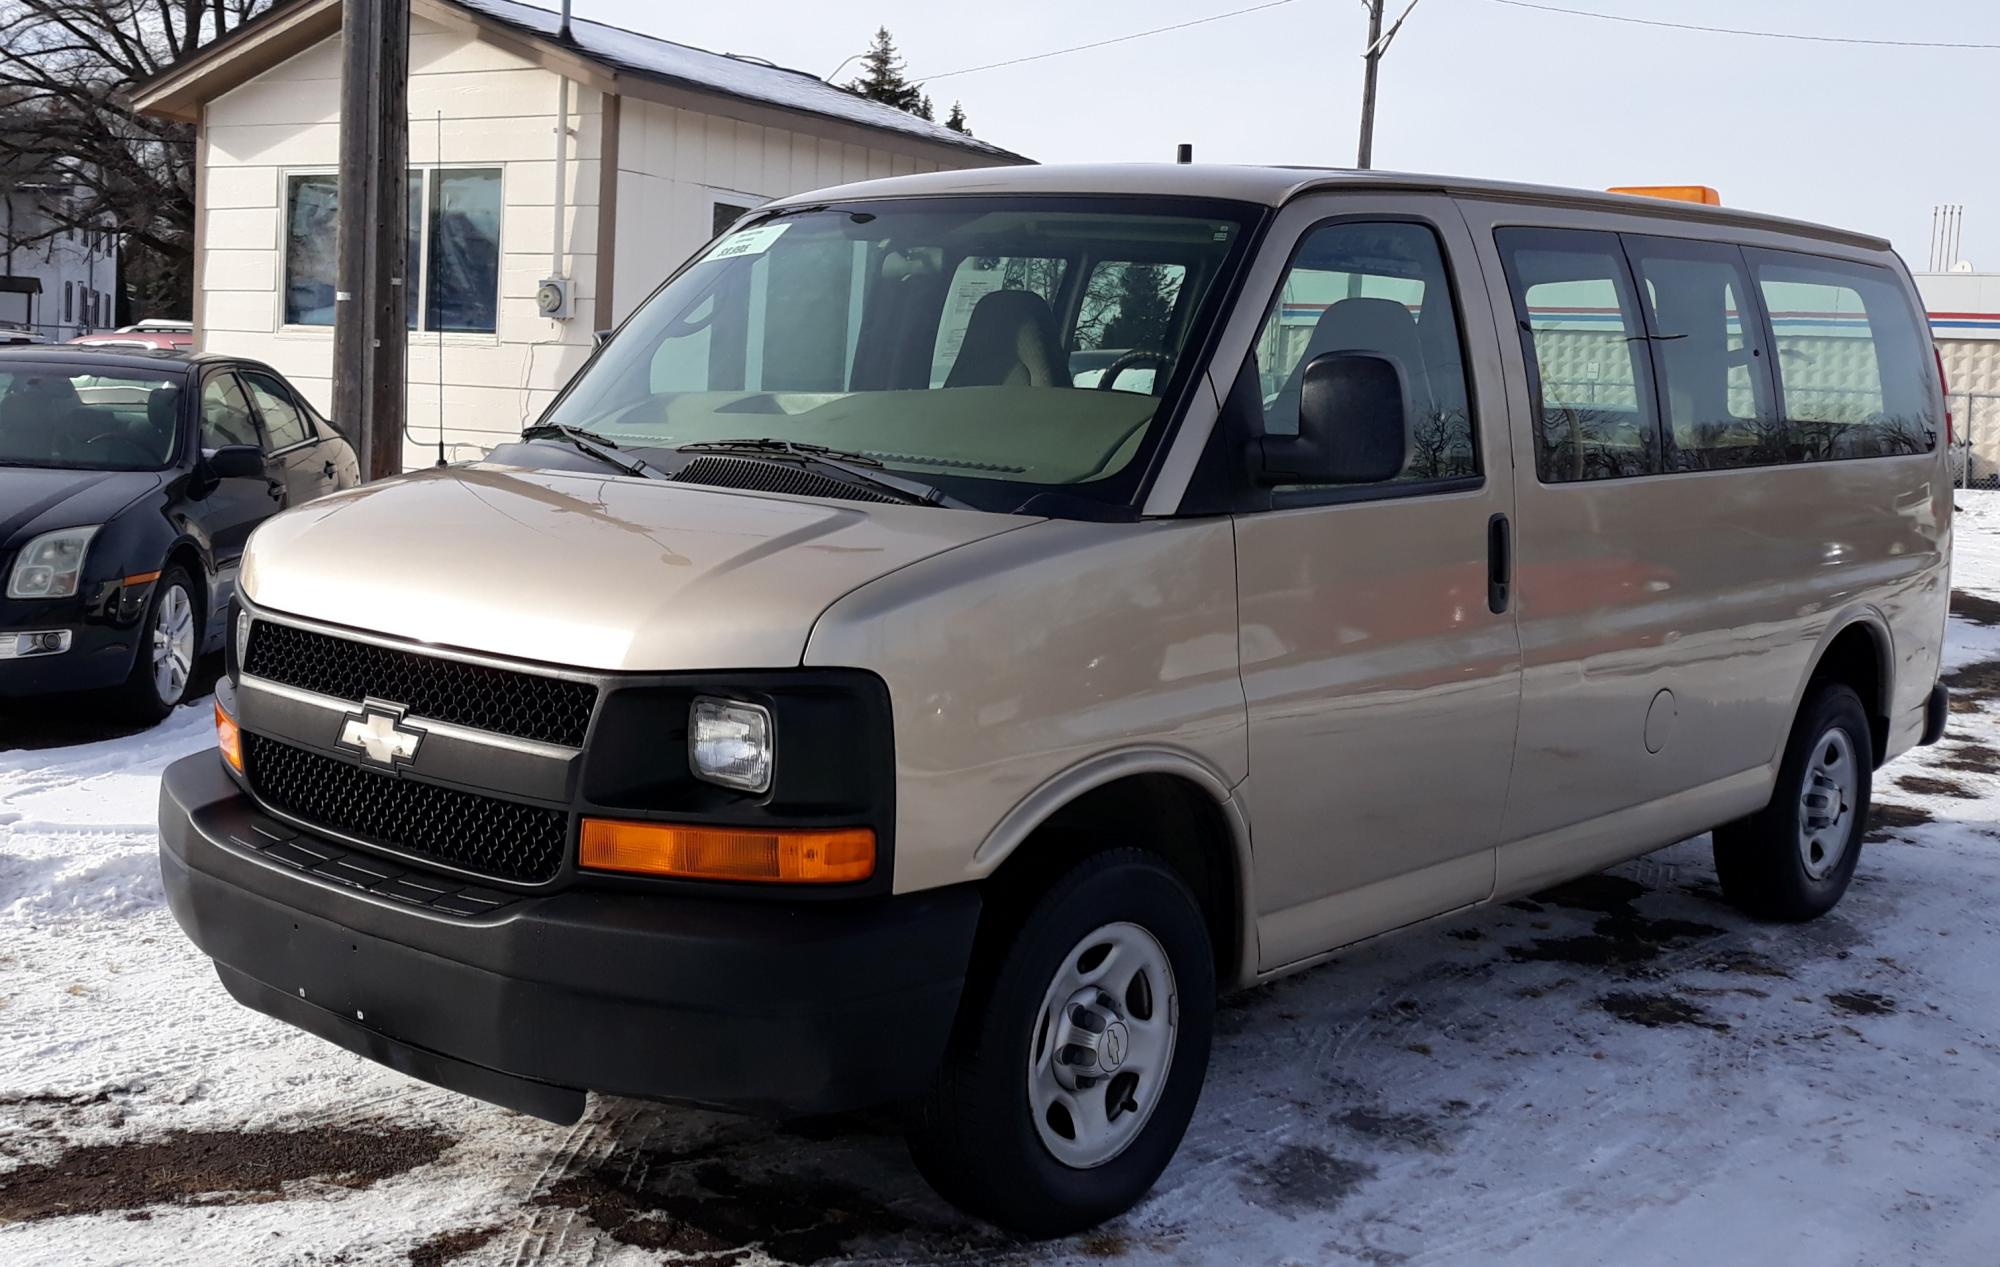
1080 1050
1793 859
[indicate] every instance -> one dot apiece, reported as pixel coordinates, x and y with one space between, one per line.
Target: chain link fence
1975 457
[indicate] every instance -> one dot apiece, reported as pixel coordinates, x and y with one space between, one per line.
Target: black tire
975 1136
1764 862
139 698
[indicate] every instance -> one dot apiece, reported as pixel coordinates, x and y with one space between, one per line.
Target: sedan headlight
729 743
51 564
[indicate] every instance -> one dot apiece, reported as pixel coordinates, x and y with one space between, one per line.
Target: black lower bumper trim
769 1007
1937 710
562 1105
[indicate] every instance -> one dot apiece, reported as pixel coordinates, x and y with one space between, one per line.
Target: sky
1866 138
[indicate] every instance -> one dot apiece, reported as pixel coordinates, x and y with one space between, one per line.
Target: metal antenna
439 171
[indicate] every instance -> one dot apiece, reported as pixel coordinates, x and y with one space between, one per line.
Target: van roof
1275 186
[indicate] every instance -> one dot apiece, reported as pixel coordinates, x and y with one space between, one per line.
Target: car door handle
326 472
1499 564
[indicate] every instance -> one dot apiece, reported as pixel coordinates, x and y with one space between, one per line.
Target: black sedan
129 483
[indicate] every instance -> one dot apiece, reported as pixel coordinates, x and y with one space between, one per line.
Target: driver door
225 518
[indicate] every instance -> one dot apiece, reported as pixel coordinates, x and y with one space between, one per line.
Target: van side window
1853 366
1584 340
1378 288
1708 350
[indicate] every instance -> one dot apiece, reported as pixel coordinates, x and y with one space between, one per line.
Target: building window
454 260
69 303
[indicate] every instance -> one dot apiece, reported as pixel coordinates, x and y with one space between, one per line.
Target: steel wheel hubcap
1827 803
1102 1045
173 645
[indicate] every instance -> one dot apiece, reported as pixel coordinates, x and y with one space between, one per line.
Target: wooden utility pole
1366 153
1378 44
371 348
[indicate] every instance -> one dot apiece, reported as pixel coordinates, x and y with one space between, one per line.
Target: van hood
588 571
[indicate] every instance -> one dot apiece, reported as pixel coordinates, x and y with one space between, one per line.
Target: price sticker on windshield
754 241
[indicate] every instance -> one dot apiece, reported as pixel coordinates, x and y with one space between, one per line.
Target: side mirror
1353 425
237 462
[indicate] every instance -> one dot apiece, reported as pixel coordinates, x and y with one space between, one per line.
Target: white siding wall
498 111
674 165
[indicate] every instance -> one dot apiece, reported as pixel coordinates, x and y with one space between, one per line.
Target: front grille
503 839
773 477
504 701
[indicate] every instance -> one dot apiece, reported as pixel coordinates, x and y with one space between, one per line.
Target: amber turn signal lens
781 855
229 739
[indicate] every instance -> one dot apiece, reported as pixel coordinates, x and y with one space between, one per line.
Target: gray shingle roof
654 58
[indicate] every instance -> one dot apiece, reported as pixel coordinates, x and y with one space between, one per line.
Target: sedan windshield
991 347
79 419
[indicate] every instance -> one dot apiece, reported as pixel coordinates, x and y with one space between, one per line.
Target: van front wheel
1079 1053
1793 859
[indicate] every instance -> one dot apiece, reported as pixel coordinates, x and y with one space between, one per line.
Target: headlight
51 564
730 743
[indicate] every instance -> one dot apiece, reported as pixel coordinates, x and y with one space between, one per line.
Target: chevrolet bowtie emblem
380 737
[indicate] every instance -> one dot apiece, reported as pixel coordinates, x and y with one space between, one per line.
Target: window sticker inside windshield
753 241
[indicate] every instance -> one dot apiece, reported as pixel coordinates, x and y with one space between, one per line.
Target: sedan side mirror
237 462
1353 425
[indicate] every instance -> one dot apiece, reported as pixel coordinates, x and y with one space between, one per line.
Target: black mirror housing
237 462
1353 425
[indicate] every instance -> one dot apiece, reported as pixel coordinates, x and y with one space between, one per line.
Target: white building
667 143
1965 321
58 282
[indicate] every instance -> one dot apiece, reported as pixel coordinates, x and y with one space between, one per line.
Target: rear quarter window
1853 364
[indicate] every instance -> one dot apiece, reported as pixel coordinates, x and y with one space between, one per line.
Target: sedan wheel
173 636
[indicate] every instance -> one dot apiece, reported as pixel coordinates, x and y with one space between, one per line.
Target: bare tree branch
70 147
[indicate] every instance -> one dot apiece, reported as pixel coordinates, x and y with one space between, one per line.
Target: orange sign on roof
1702 194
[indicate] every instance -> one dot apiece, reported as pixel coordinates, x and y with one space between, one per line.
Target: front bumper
771 1007
103 640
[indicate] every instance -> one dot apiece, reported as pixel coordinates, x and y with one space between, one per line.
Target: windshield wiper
594 445
859 467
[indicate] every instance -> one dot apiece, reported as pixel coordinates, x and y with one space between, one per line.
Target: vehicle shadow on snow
61 721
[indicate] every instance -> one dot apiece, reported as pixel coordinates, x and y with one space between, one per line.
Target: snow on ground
1623 1070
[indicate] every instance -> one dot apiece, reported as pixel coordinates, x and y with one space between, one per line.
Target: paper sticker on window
750 241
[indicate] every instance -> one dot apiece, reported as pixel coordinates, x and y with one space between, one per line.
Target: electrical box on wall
556 299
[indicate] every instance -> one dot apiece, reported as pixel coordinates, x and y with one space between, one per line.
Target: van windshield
994 348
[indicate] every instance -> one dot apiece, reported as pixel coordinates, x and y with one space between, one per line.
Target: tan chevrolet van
962 623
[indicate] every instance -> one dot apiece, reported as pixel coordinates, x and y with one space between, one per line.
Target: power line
1116 39
1733 30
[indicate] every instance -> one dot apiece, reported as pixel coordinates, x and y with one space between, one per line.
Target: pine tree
1145 307
956 120
882 78
923 109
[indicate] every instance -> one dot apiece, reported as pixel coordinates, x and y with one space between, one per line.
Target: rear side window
1584 338
1709 354
1381 288
1853 367
225 414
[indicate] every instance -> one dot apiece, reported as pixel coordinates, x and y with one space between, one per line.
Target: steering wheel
1137 356
138 452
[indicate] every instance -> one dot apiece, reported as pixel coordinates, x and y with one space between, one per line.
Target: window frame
1253 497
1507 238
419 173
